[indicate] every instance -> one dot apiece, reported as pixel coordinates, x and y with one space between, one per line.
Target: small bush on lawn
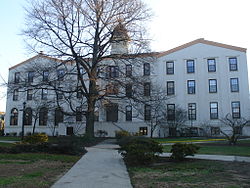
121 134
180 151
140 151
36 138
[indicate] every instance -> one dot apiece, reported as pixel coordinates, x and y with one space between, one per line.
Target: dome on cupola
119 40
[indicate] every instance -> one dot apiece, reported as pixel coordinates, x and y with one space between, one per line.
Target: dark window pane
43 116
233 65
31 75
170 67
14 117
192 111
170 88
128 113
212 86
112 112
147 112
190 66
171 112
191 86
146 69
234 84
236 109
211 65
128 70
213 110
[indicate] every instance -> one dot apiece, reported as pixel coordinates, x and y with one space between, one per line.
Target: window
147 112
128 113
31 75
58 116
45 76
112 112
170 112
60 74
236 109
143 130
238 130
192 111
112 72
44 94
96 117
29 94
78 114
233 65
69 131
213 110
17 77
146 69
211 65
128 89
191 86
128 70
79 93
212 86
147 89
215 131
234 84
15 95
112 89
170 87
28 116
14 117
190 66
170 67
43 116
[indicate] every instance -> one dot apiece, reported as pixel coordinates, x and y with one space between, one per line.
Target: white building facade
207 79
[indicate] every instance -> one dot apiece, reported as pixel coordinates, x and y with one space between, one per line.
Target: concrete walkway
214 157
101 167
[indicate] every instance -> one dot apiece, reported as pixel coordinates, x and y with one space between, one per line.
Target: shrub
140 150
36 138
101 133
121 134
180 151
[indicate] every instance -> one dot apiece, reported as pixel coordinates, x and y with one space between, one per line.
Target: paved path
215 157
101 167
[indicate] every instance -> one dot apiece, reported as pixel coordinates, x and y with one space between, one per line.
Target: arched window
14 117
43 116
58 116
28 116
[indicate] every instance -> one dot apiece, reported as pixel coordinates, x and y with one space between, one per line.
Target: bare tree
175 121
82 32
235 125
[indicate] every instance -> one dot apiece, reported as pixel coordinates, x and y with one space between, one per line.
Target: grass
28 169
218 150
181 139
192 173
3 144
10 138
39 156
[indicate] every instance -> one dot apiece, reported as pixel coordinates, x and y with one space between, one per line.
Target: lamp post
24 114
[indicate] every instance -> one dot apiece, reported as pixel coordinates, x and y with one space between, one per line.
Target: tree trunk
90 116
34 126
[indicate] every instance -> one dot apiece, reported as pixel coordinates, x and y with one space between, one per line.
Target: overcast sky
175 22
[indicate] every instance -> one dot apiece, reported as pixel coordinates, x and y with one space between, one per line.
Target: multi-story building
207 79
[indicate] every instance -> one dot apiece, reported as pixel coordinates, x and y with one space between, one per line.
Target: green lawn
189 139
219 150
192 173
10 138
28 169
